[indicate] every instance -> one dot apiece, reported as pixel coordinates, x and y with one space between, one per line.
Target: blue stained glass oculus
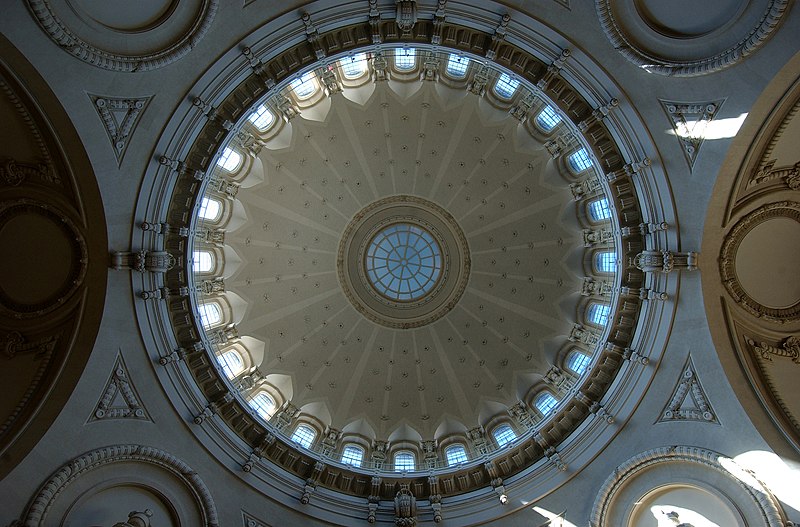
403 262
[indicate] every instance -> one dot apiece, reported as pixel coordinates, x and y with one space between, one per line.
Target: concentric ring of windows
403 262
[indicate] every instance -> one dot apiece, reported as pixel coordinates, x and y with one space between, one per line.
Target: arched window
232 364
506 86
579 160
599 210
605 262
457 66
262 118
503 434
353 455
263 404
545 403
404 461
210 314
304 435
210 209
229 160
202 261
355 66
405 59
548 118
455 454
597 314
578 362
305 86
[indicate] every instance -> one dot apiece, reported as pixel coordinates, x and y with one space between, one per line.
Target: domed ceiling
473 160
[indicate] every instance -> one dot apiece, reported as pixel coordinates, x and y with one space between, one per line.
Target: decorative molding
14 173
761 498
689 122
120 399
790 174
15 344
248 520
623 41
120 117
789 348
36 512
727 260
689 401
67 39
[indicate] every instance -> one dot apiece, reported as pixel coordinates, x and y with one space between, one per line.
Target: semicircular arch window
404 461
353 455
504 435
578 362
304 436
263 404
545 403
231 363
403 262
548 118
455 454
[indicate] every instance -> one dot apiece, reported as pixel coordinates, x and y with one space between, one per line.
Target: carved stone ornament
141 261
14 344
789 348
689 401
665 261
405 508
74 30
137 519
120 117
180 472
689 122
733 280
120 399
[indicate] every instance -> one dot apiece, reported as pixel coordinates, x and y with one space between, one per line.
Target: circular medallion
758 261
48 263
403 262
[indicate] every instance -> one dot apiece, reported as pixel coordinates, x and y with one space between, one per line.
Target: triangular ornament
690 124
252 521
120 116
120 399
689 401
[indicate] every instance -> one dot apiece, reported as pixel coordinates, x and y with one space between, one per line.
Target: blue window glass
202 262
548 118
355 66
599 210
506 86
262 118
304 435
457 66
231 363
209 209
503 434
404 461
229 160
263 404
579 160
578 362
304 86
403 262
210 314
605 262
545 403
455 455
353 455
405 59
598 314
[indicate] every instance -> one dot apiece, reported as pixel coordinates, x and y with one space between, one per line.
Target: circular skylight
403 262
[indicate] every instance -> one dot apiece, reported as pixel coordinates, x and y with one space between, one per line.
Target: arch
457 66
405 59
352 454
230 160
547 119
304 435
263 404
262 118
455 454
545 402
597 314
579 161
505 86
231 363
598 210
503 434
404 461
578 361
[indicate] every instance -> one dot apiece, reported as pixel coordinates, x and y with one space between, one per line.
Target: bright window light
210 314
262 118
353 455
545 403
405 59
231 363
598 314
210 209
548 118
263 404
304 435
304 86
605 262
578 362
579 160
202 262
404 461
355 66
503 434
506 86
455 455
229 160
599 210
457 66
